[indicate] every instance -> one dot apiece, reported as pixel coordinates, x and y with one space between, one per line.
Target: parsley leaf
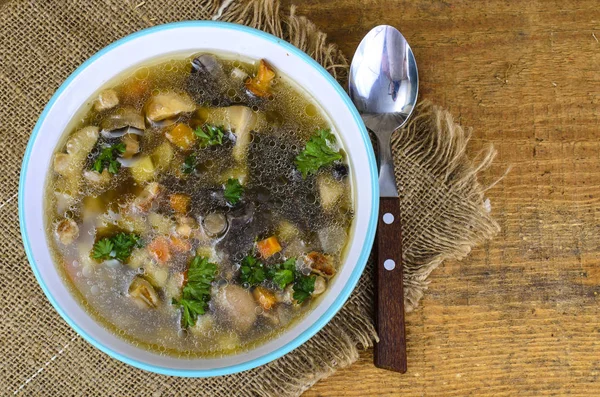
304 287
102 249
191 310
252 271
118 246
233 191
189 164
210 135
317 153
107 159
283 273
196 292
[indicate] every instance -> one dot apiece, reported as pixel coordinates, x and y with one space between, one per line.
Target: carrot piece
181 136
260 84
179 244
268 247
159 248
180 203
264 297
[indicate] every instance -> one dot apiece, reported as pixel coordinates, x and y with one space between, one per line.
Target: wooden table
519 316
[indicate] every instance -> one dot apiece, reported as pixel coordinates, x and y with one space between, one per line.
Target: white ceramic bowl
193 37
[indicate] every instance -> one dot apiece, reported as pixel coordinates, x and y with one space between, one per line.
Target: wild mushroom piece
320 264
320 285
123 120
67 231
237 305
81 143
214 224
106 100
167 105
260 85
143 293
62 164
207 64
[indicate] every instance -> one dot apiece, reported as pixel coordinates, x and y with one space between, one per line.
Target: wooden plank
520 315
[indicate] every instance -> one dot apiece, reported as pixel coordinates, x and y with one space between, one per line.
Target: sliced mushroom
122 121
168 105
215 224
106 100
143 293
67 231
237 306
320 264
320 285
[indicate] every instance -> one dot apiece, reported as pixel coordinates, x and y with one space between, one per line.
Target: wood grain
390 352
519 316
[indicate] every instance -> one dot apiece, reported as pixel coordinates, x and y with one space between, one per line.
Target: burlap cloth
41 42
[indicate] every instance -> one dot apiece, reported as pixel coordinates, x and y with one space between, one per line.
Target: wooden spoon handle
390 352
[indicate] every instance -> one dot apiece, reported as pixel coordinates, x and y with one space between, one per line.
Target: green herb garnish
118 246
210 135
233 191
303 287
196 292
107 159
317 153
252 271
189 164
283 274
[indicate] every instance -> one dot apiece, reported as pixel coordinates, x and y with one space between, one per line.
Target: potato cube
143 170
162 156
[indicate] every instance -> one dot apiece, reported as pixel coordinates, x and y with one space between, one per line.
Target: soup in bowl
206 200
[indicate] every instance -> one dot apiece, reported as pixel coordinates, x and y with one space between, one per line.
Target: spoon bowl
384 80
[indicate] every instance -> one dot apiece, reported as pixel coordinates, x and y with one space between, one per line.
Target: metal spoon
383 85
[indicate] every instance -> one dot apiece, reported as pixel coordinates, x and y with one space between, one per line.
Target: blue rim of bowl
317 325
